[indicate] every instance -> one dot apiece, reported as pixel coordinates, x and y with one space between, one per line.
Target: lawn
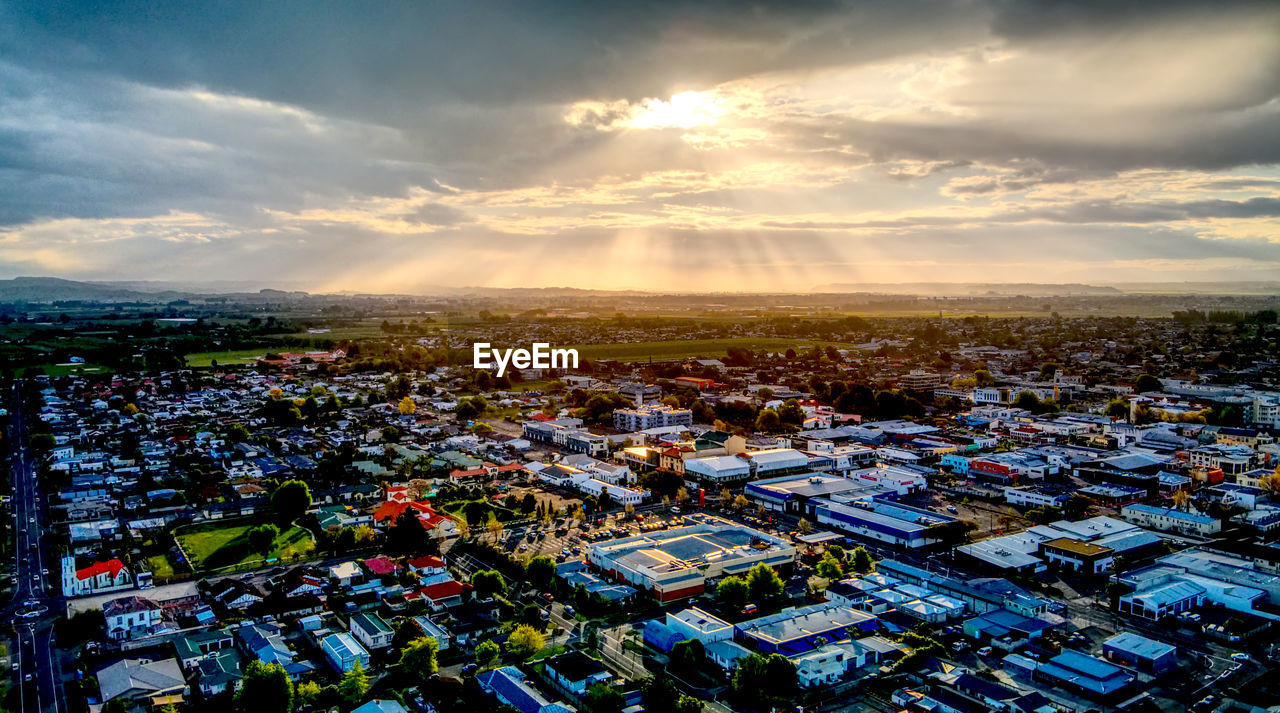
235 356
683 348
161 567
218 546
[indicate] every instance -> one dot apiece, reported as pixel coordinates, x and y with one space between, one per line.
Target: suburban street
33 608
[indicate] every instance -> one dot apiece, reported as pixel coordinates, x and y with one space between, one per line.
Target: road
33 608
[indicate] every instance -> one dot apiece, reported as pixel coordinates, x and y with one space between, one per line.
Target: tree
660 694
418 659
763 583
733 591
740 502
1146 383
829 567
466 410
1029 401
689 655
862 560
526 640
540 571
407 407
265 687
1181 499
291 501
603 698
353 687
766 680
486 653
768 421
488 583
262 537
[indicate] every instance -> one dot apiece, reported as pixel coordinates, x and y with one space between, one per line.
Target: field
161 568
219 546
684 348
238 356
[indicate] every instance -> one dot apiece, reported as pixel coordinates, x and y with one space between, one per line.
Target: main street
32 609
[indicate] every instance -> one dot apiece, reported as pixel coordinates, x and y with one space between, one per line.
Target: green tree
265 687
525 640
353 687
660 694
766 680
418 659
1146 383
763 583
603 698
829 567
486 653
768 421
733 591
540 571
488 583
862 560
291 501
689 655
262 537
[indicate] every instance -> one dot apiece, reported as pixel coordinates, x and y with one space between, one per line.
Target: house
371 630
381 706
342 652
443 595
1171 519
508 685
575 672
302 581
97 578
265 642
218 672
426 566
382 566
346 574
235 594
444 640
196 645
131 617
139 680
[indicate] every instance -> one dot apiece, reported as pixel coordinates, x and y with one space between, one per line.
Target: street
33 609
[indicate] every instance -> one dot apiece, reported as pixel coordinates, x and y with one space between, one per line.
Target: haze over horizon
656 146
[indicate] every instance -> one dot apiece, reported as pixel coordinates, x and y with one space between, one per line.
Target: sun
684 110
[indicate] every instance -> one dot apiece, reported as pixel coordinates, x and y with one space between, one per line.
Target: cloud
545 140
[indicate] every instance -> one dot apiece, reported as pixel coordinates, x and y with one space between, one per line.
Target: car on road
469 669
984 651
1240 656
569 611
952 509
548 598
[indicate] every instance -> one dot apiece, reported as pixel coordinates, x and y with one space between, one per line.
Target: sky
716 146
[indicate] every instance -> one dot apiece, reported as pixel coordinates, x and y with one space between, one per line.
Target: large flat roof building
676 563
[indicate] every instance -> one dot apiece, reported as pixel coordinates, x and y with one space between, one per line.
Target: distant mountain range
54 289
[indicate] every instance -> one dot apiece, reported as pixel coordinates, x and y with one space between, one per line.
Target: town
323 505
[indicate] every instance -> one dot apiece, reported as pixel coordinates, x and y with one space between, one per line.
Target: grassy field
684 348
236 356
161 567
216 546
72 369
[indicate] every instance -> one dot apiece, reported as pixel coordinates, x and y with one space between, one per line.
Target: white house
97 578
371 630
342 652
129 617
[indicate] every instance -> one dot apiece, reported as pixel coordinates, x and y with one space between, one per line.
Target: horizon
659 148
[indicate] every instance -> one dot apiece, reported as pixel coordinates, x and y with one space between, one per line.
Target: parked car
984 651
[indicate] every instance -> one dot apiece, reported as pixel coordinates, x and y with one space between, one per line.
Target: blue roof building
1090 676
508 685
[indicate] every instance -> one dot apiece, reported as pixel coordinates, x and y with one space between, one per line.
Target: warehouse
675 564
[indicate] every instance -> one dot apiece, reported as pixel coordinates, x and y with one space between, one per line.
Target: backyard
221 546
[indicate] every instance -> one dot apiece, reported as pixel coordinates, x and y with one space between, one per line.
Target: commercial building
795 493
1080 557
1139 652
678 563
798 631
894 524
651 416
1171 519
1085 674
